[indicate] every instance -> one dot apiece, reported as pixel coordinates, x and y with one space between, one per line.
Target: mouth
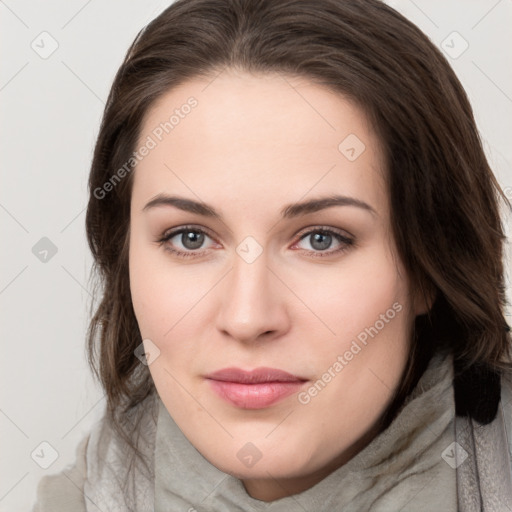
255 389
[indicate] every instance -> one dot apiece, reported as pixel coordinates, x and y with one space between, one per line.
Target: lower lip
254 396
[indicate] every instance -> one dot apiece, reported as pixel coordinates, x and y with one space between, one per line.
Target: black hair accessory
477 391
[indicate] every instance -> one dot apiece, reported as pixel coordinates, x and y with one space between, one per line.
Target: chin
258 460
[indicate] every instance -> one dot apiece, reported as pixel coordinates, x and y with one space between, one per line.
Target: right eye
186 241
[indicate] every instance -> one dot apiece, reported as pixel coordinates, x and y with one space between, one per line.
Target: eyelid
329 229
169 233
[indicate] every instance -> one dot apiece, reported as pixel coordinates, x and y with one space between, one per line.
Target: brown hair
444 197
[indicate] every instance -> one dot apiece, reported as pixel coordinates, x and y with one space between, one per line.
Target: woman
299 240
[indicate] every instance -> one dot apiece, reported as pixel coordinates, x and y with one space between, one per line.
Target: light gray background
51 110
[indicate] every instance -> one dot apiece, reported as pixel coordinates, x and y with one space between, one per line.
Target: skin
253 145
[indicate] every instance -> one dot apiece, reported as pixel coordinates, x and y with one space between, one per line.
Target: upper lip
255 376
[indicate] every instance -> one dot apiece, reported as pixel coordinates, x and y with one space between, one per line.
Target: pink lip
254 389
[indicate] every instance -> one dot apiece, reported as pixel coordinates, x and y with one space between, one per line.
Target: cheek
156 294
368 310
169 298
353 296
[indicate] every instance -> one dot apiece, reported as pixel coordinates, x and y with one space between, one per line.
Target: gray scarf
427 459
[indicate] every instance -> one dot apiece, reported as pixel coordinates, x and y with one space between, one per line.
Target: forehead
254 136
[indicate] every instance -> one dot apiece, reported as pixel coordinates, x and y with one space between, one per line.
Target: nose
252 305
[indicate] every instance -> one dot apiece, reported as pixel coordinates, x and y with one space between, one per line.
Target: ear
424 298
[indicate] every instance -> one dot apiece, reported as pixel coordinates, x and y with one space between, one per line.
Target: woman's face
276 313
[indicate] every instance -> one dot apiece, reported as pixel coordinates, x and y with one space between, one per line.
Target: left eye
322 240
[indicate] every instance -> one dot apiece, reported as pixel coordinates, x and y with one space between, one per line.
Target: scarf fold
427 459
484 476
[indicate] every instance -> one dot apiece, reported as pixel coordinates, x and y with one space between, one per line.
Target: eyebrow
288 212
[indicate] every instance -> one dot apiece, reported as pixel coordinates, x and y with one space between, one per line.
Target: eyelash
345 241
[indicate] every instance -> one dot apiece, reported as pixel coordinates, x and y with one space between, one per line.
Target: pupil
192 239
321 241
